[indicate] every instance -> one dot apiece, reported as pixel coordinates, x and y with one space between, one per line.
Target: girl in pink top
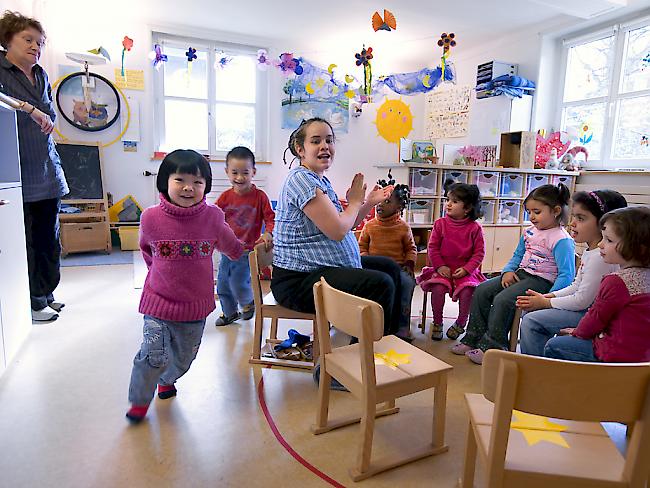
616 329
456 250
177 239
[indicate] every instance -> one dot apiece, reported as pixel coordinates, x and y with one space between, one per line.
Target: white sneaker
44 315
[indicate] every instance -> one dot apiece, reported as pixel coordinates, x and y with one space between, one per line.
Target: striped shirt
40 165
298 244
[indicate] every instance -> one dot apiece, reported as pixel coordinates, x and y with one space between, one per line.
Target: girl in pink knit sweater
177 239
456 250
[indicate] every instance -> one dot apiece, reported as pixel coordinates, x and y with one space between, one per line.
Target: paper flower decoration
288 64
263 60
586 136
127 45
222 61
191 54
447 41
364 57
159 57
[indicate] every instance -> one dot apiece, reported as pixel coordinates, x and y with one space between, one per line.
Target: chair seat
272 308
344 363
591 453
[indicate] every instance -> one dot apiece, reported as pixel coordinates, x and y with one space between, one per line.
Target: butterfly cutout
101 51
388 23
160 57
191 54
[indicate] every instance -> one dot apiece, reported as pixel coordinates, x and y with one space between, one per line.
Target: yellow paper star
349 94
320 82
392 359
537 429
335 90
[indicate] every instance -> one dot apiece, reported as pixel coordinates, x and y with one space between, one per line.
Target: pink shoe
475 356
461 349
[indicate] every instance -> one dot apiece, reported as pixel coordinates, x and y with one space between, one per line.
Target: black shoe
334 385
223 320
248 311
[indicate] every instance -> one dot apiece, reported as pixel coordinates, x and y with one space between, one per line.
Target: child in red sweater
456 250
177 239
247 208
616 328
388 235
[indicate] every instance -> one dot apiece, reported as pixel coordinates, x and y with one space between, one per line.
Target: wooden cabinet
500 244
84 236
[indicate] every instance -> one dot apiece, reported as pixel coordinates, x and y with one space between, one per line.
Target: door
488 236
505 243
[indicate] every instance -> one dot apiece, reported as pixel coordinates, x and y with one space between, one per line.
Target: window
207 105
606 97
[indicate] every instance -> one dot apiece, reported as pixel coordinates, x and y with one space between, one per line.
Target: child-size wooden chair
404 369
266 307
519 449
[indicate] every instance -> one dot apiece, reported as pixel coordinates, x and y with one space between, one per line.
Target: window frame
614 96
212 47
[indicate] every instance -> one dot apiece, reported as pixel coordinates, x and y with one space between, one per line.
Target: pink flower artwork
544 146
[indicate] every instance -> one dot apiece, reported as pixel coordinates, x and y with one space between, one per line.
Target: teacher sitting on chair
43 181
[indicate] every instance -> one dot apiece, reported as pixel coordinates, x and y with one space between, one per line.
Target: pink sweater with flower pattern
177 244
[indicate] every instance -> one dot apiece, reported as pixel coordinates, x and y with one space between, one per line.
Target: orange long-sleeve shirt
390 237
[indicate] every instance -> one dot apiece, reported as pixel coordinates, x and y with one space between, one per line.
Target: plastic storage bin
564 179
488 183
487 208
508 212
420 212
535 181
423 182
129 238
512 185
453 176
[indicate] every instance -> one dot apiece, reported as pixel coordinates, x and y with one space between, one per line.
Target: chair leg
274 328
257 336
469 463
439 411
423 322
367 432
323 402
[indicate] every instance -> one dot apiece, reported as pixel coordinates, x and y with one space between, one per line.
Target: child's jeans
166 353
406 297
493 309
234 284
570 348
541 325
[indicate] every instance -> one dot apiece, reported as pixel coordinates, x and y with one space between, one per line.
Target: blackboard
83 171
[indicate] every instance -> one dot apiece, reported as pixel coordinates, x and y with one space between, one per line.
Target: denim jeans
570 348
234 284
493 310
166 353
406 297
541 325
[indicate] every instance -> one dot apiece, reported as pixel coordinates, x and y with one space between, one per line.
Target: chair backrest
568 390
258 259
571 390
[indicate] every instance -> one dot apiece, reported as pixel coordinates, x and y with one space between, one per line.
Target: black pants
43 250
379 281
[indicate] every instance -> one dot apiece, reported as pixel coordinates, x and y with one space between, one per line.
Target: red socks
136 413
166 391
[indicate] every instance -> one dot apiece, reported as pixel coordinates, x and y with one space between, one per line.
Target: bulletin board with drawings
447 112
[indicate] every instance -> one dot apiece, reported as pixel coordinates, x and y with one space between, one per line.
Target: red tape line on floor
285 444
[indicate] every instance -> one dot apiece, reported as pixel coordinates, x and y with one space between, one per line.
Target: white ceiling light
584 9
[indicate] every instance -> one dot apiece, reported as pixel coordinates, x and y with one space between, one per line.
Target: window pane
236 81
589 70
586 122
184 81
186 125
235 126
635 77
632 125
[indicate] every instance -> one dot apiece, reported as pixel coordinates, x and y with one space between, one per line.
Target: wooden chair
572 453
354 367
266 307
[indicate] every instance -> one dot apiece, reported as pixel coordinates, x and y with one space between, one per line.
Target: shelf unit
503 191
87 230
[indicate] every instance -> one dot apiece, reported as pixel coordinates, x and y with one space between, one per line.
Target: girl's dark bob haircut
185 162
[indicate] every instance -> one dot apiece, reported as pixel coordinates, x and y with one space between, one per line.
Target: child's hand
459 273
267 239
508 278
379 194
566 331
533 301
357 191
444 271
409 267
